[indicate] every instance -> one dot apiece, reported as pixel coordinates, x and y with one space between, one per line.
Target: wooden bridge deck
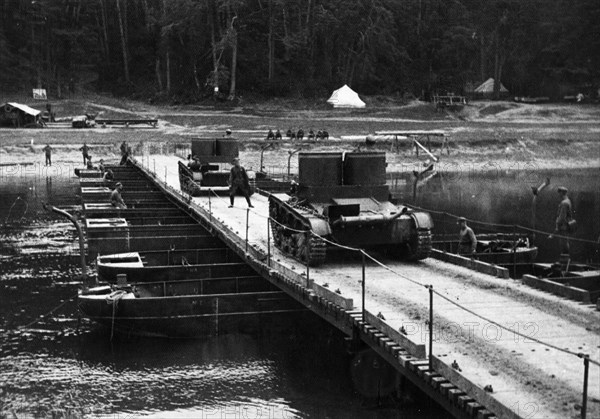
529 379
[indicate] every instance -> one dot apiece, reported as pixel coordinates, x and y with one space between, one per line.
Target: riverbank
481 136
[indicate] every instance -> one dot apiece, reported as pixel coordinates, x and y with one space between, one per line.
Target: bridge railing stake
586 370
269 242
431 327
247 222
209 205
363 285
308 236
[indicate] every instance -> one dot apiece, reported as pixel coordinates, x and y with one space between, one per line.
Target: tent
345 97
487 87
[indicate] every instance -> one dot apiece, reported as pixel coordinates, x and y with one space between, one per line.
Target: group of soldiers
564 225
298 135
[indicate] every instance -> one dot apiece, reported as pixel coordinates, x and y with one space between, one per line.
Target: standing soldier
564 216
48 151
124 153
467 242
239 182
85 151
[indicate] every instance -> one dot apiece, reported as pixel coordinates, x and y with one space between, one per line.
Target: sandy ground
506 135
521 371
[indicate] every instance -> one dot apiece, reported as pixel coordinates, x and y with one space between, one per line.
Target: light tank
343 198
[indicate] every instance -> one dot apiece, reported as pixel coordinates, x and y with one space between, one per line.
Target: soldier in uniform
239 183
278 135
467 242
563 216
115 197
270 135
85 152
48 151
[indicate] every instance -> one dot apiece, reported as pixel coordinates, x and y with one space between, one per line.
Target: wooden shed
17 115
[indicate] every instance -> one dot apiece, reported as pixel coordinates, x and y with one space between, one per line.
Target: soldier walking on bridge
239 183
467 242
85 152
48 151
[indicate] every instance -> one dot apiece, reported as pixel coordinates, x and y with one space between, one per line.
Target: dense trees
188 49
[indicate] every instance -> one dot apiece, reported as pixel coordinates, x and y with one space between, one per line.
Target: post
247 219
364 312
165 175
431 327
586 369
514 251
269 242
307 234
209 205
154 163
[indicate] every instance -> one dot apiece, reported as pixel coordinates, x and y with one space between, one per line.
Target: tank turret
343 198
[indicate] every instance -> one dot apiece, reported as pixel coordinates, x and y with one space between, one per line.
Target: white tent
345 97
487 87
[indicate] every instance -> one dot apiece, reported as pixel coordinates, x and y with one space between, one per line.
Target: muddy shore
481 136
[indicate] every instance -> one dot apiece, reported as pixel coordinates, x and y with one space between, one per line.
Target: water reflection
53 363
505 197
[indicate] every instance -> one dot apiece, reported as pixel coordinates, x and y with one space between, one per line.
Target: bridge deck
528 379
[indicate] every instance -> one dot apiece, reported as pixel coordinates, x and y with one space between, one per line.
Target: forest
190 50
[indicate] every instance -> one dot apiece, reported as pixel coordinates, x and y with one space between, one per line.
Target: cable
48 313
485 223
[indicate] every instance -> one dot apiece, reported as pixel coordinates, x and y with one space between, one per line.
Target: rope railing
585 357
506 226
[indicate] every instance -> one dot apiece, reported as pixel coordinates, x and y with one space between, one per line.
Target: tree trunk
168 62
158 75
123 42
213 35
104 27
481 57
497 66
270 42
234 48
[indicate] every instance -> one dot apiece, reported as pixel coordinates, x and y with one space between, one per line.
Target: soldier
467 242
125 149
101 166
270 135
89 165
289 133
115 197
85 152
325 135
278 135
319 135
48 151
300 134
108 178
564 216
239 183
311 134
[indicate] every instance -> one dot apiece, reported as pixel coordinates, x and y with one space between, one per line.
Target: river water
64 367
505 198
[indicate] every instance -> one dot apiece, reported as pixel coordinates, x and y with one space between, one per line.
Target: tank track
294 243
421 246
